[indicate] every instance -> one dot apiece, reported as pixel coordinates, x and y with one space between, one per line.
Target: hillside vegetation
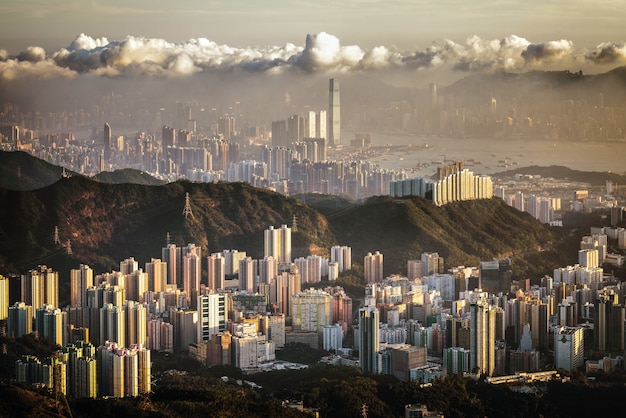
105 223
464 233
594 178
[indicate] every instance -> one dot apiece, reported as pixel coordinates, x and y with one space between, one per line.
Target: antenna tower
294 223
57 241
68 247
187 211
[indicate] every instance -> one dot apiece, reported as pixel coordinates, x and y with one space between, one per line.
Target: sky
113 38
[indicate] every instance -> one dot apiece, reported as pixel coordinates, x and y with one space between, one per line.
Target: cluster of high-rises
480 320
455 184
238 315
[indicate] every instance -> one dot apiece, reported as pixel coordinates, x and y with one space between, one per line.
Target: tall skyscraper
248 274
277 243
106 140
216 269
373 267
334 113
342 255
80 280
172 256
40 287
482 338
369 341
157 275
4 297
20 320
191 276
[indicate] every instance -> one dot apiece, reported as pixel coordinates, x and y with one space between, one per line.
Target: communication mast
187 211
294 223
57 241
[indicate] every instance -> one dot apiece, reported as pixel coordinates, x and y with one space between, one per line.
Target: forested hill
595 178
106 223
21 171
464 233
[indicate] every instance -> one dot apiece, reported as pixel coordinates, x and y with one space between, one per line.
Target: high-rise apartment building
482 338
157 275
369 322
172 255
80 280
568 348
433 263
192 274
373 267
226 127
20 320
609 318
277 243
113 324
334 113
231 261
342 255
212 315
248 274
311 310
4 298
136 323
39 287
216 267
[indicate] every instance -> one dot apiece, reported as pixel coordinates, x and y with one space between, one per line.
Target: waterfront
422 155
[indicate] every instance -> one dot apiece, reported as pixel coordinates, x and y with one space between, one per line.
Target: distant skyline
444 40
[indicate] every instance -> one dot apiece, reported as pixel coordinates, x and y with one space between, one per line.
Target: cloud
322 52
32 54
608 53
548 51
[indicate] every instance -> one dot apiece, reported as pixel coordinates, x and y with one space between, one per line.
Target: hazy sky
405 23
69 38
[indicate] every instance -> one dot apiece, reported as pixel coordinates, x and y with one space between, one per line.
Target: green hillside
594 178
106 223
464 233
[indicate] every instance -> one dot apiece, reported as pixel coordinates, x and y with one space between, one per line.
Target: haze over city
372 208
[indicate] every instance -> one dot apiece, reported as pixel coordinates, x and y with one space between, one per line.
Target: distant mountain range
106 223
21 171
594 178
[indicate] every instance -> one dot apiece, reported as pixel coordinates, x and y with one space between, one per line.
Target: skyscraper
40 287
80 280
373 267
4 297
157 275
342 255
334 110
369 320
191 276
482 338
216 269
106 140
172 256
277 243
